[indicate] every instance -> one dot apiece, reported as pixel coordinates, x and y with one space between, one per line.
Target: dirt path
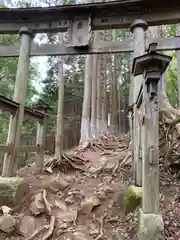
90 205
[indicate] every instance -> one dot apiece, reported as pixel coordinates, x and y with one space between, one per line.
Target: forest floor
89 204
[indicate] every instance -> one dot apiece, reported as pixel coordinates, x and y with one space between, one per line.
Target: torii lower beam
168 44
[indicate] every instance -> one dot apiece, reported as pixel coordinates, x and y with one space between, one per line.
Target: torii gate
79 21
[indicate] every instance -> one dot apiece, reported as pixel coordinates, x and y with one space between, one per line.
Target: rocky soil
86 204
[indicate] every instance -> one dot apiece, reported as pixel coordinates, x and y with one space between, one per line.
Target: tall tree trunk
60 113
60 107
114 96
119 110
104 113
111 127
97 75
85 120
94 98
98 123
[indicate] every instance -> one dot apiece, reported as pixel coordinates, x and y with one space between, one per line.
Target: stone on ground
80 236
93 230
59 204
37 206
108 162
39 197
103 191
7 224
116 236
6 210
95 169
27 226
56 184
74 195
12 190
132 197
151 226
89 203
68 216
65 220
105 164
13 238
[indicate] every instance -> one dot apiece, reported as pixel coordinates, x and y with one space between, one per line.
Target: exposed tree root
83 147
51 225
126 160
169 147
51 228
169 114
101 227
37 232
108 145
66 161
75 160
47 204
169 129
52 217
101 230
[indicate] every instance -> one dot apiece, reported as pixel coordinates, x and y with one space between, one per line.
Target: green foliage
73 73
171 81
170 30
73 89
50 91
123 65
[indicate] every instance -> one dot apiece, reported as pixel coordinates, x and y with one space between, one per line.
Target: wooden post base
151 227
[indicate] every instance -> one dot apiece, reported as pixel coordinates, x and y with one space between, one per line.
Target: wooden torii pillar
138 28
40 137
151 66
14 133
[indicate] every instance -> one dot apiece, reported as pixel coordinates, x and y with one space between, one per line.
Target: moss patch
132 198
12 190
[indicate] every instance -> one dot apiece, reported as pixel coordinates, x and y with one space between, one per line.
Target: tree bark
119 111
104 113
85 120
94 96
114 96
60 107
98 123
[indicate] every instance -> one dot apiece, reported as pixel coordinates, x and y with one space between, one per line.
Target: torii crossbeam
109 15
